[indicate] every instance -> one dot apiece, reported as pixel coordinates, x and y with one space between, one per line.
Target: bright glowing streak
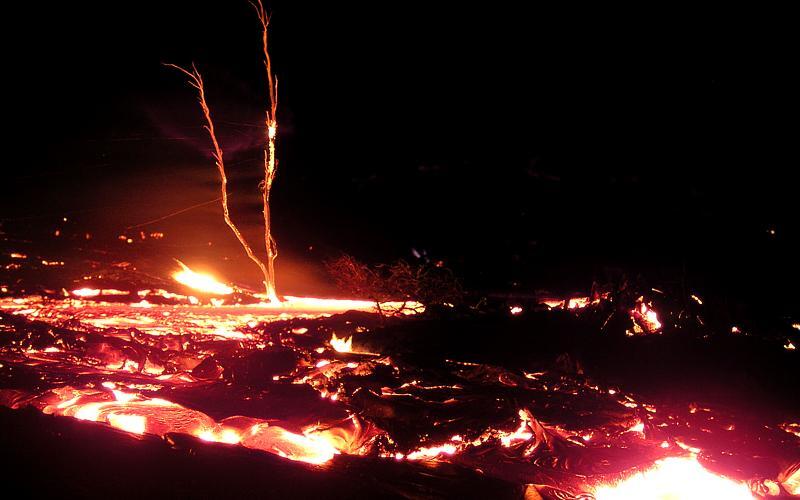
433 451
789 346
86 292
676 478
202 282
515 310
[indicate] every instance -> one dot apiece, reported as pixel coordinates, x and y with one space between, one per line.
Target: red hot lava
302 381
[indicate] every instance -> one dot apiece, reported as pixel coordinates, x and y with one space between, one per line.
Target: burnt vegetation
428 283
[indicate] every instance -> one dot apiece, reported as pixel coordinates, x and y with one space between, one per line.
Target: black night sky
525 148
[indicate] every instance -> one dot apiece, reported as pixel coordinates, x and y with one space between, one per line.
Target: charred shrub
429 284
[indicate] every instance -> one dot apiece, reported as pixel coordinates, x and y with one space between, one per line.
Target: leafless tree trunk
196 81
270 163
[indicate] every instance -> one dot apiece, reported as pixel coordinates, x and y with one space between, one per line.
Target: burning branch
270 164
196 81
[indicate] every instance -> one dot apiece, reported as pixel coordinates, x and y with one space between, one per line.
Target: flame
645 319
342 345
203 282
675 478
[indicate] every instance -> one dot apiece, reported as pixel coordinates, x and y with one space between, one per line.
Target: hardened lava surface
552 398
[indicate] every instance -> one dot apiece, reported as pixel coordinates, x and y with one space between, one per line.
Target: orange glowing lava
201 282
136 414
675 478
342 345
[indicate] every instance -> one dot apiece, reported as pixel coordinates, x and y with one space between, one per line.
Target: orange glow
792 480
578 303
573 303
136 414
675 478
523 432
342 345
313 449
202 282
515 310
129 423
645 319
789 346
432 452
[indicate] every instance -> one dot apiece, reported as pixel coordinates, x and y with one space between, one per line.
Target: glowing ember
515 310
432 452
342 345
523 432
645 319
675 478
201 282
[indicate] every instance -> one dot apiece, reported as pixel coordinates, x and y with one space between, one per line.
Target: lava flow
305 380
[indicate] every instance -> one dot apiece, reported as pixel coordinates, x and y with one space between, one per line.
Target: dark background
525 148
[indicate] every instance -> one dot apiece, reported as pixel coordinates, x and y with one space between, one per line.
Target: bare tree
427 283
270 162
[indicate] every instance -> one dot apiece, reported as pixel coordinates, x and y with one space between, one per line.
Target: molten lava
675 478
292 379
201 282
